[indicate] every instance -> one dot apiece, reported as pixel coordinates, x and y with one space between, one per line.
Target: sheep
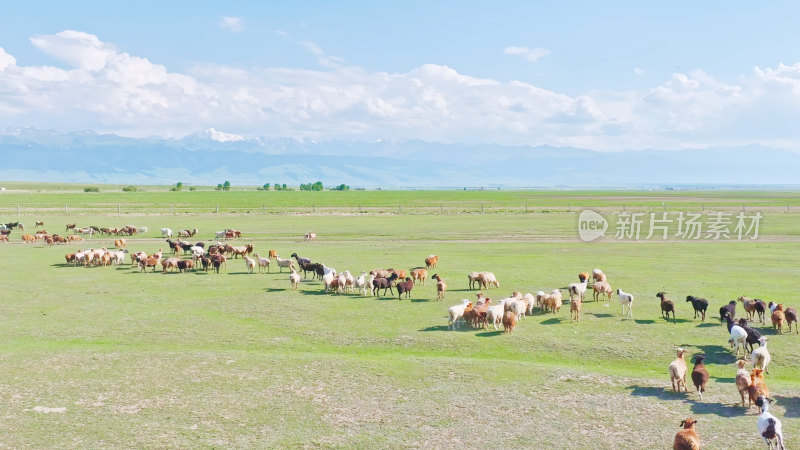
530 300
677 372
598 275
791 316
577 290
185 264
405 287
367 284
667 306
700 305
743 380
473 278
481 311
431 261
769 427
294 279
262 262
760 357
777 319
361 283
441 287
495 313
753 336
601 289
757 388
749 307
575 310
516 305
761 307
625 299
250 263
700 375
284 263
166 232
552 301
727 310
738 336
487 279
509 322
457 312
419 274
687 438
383 283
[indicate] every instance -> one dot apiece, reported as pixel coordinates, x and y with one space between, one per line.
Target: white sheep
487 279
262 262
577 290
284 263
166 232
494 314
367 288
738 338
360 283
625 299
516 305
760 358
294 279
677 371
250 263
456 312
769 427
531 301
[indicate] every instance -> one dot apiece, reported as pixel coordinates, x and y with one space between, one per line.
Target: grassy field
110 357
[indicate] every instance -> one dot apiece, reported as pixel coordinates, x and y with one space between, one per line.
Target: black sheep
383 283
666 306
727 310
405 286
700 306
753 336
761 307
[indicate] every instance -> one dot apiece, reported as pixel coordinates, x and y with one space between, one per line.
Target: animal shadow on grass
489 333
644 321
677 320
659 392
717 408
600 315
792 405
716 354
727 380
418 300
320 292
61 265
276 290
552 321
708 325
462 328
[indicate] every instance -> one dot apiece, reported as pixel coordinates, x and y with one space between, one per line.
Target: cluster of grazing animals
575 310
687 438
743 380
738 336
509 322
777 319
385 283
727 310
625 299
666 306
578 290
749 307
758 387
250 263
699 375
753 336
487 279
456 312
550 302
310 237
601 289
677 372
598 275
517 305
700 306
441 287
294 279
431 261
262 262
769 427
284 263
419 274
760 357
405 287
243 250
481 312
791 316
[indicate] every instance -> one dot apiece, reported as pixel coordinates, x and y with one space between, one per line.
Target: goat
761 308
431 261
738 336
749 307
294 279
509 322
601 289
284 263
687 438
419 274
743 380
757 388
700 306
457 312
441 287
700 375
677 371
753 336
625 299
578 289
383 283
166 232
598 275
667 306
404 287
777 319
250 263
791 316
185 264
727 310
487 279
575 310
760 357
769 427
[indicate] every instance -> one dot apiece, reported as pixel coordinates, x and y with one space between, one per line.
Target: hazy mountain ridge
40 155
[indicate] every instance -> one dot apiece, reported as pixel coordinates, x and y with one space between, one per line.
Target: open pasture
111 357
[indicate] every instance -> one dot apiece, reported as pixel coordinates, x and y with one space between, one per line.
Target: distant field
239 360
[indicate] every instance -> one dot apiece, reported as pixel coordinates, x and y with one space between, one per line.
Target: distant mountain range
211 157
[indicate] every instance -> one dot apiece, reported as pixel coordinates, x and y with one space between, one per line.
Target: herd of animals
507 312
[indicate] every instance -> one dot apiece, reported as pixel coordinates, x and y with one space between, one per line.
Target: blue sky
598 75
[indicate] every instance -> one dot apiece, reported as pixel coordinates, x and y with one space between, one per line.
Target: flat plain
111 357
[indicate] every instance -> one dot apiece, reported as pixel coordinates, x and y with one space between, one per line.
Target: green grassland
240 360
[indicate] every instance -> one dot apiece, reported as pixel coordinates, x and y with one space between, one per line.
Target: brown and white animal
456 312
38 224
262 262
294 279
777 318
120 243
700 375
284 263
687 438
677 372
760 357
601 289
419 274
667 306
441 287
749 307
598 275
769 427
758 386
310 237
578 290
743 380
487 279
791 316
431 261
250 263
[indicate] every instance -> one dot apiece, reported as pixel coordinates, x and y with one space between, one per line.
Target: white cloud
638 71
232 24
108 90
531 54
